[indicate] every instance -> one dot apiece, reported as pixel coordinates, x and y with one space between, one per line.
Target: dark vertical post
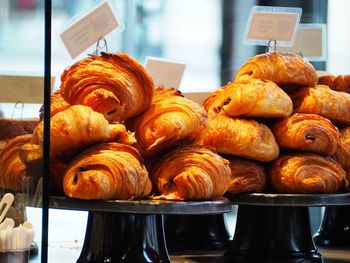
46 143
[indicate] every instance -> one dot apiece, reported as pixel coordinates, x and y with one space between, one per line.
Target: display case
208 37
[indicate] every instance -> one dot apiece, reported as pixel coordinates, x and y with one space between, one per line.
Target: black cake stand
276 227
131 231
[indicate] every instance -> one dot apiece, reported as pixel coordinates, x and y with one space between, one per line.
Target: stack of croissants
279 127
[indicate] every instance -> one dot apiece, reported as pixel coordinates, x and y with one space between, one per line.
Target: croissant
245 138
191 172
246 175
105 171
338 83
282 68
308 132
251 98
11 128
12 169
78 127
321 100
307 174
342 155
113 84
171 119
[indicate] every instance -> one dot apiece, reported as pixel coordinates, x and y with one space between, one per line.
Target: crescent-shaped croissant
307 174
78 127
251 98
308 132
245 138
12 169
338 83
113 84
105 171
342 155
321 100
282 68
171 119
191 173
246 175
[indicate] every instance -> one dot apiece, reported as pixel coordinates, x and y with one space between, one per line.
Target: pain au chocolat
190 172
308 132
321 100
285 69
342 154
307 173
105 171
113 84
250 98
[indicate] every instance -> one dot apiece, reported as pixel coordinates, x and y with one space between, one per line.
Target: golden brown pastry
11 128
308 132
338 83
76 128
342 155
321 100
246 175
285 69
191 173
113 84
12 168
57 104
251 98
105 171
306 174
171 119
245 138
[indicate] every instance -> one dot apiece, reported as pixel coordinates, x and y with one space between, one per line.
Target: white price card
165 72
310 42
88 29
272 23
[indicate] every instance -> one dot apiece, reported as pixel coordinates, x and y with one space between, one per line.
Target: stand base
195 233
272 234
119 237
335 228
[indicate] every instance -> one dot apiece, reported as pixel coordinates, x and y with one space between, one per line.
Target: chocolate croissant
105 171
338 83
342 154
78 127
306 174
246 175
171 119
251 98
308 132
191 173
285 69
321 100
113 84
245 138
12 169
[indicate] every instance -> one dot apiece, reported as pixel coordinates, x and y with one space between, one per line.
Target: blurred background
206 35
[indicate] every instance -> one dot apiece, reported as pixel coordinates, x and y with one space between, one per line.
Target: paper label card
88 29
165 72
272 23
310 41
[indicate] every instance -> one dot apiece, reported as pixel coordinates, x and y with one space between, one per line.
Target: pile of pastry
114 135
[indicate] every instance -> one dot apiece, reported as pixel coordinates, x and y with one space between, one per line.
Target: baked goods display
170 120
285 69
115 136
307 174
191 172
113 84
338 83
307 132
250 98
